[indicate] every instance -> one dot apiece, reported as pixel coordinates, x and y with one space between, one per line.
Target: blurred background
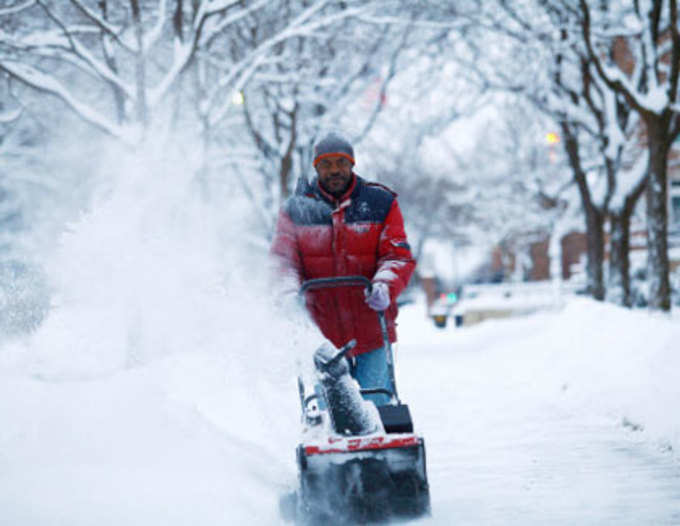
528 142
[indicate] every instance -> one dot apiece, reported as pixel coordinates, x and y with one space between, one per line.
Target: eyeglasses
341 163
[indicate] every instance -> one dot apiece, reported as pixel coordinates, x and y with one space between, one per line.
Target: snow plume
163 369
153 270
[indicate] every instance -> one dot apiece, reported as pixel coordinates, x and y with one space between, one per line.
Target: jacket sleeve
395 262
284 250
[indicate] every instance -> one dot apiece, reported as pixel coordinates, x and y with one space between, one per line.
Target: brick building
536 265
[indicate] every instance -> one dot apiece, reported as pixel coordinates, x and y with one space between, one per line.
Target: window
674 211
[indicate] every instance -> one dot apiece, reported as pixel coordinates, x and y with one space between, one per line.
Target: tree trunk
287 159
619 248
619 260
594 218
110 59
178 28
140 64
284 175
595 240
657 215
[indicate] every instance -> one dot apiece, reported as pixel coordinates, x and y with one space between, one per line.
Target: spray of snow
163 352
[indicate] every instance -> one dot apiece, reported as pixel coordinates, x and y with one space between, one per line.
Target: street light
552 138
237 98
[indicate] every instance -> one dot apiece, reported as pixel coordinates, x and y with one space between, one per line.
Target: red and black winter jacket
362 233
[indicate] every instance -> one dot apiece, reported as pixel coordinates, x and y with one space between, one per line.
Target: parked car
442 307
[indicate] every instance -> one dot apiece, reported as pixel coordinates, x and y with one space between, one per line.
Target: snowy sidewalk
522 425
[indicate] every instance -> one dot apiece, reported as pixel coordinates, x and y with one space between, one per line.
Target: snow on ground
603 359
524 420
156 445
565 417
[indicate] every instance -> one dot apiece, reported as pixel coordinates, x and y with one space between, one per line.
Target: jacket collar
353 189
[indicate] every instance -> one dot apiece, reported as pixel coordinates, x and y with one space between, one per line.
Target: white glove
379 298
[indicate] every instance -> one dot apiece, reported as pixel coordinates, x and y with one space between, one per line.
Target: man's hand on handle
379 298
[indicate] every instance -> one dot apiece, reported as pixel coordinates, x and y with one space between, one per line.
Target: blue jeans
371 370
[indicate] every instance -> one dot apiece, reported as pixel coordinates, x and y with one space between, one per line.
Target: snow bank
597 358
623 362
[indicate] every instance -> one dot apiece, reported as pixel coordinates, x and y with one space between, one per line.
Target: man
342 225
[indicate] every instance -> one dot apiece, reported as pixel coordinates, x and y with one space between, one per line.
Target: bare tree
598 128
651 90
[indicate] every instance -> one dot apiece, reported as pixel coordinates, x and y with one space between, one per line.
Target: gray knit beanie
333 144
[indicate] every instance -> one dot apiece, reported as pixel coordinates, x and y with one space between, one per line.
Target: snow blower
357 463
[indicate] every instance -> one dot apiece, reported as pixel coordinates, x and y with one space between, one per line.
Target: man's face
335 174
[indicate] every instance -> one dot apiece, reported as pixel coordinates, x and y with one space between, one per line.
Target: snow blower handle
349 281
337 281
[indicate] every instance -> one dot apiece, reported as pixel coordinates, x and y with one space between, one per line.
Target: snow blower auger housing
356 463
